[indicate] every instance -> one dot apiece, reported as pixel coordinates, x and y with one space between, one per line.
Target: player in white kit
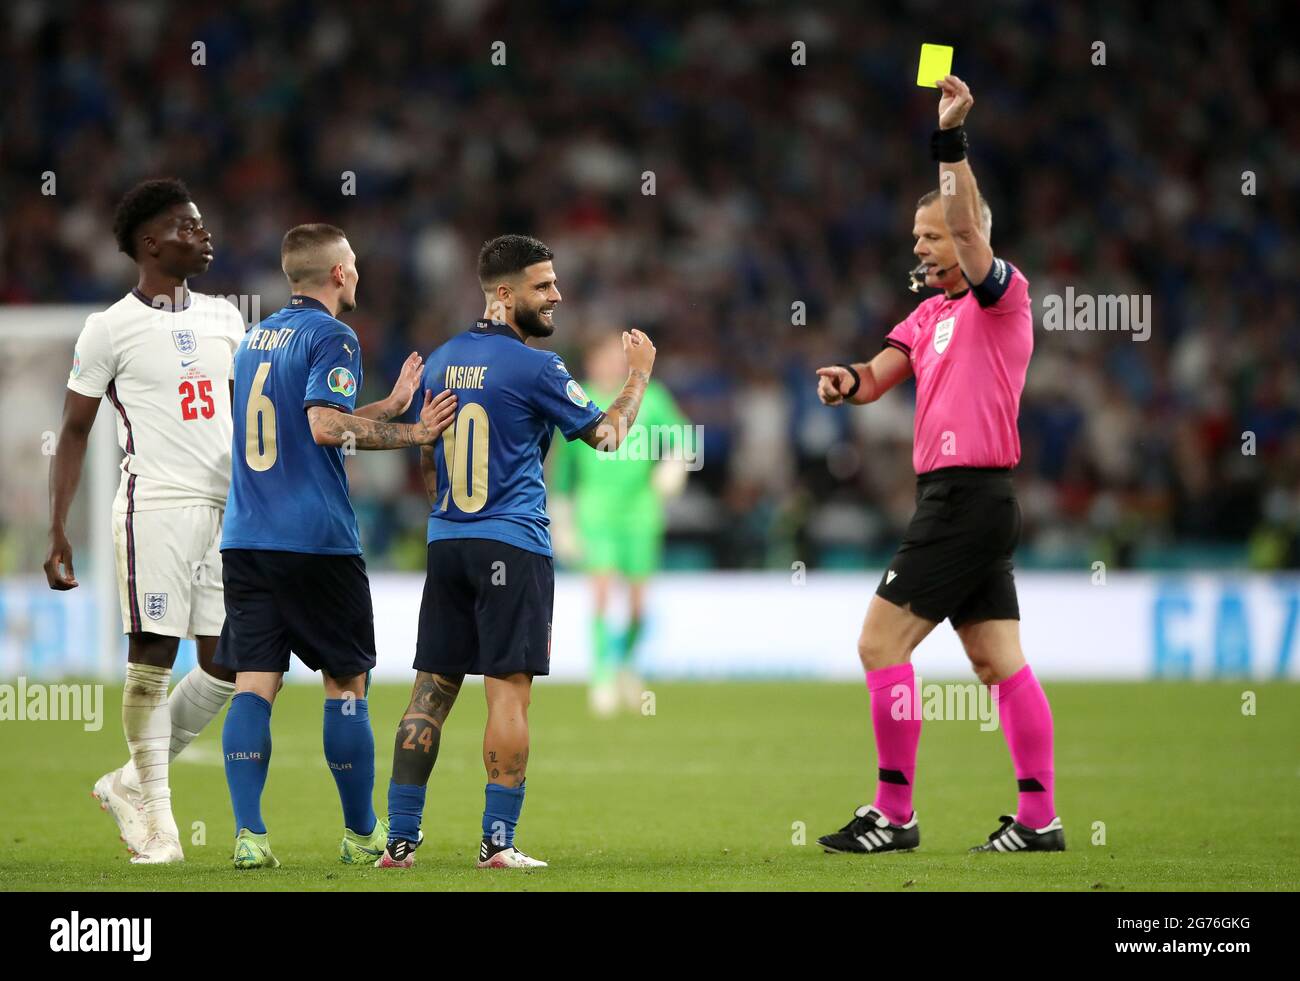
163 356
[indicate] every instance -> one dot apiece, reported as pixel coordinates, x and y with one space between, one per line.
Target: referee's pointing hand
833 384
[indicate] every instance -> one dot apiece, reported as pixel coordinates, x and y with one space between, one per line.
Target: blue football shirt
286 492
510 400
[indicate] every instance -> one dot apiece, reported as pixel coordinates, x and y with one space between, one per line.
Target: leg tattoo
419 734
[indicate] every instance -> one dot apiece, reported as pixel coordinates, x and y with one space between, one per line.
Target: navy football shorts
317 606
486 609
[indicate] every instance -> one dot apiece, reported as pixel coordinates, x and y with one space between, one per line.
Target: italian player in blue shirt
490 585
292 569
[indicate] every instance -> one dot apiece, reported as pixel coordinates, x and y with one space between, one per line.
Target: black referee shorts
955 559
317 606
486 609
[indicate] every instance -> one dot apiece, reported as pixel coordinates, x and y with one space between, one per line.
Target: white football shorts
169 571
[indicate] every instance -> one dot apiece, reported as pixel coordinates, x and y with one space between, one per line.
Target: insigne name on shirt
464 376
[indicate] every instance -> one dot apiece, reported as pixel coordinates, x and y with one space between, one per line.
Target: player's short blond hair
309 252
986 213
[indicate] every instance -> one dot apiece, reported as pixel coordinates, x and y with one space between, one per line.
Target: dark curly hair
144 201
509 254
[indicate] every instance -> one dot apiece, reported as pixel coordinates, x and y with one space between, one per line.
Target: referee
968 349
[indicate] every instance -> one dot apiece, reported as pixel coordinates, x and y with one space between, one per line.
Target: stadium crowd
739 183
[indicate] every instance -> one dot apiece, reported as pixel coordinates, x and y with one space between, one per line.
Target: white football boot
506 858
123 805
159 848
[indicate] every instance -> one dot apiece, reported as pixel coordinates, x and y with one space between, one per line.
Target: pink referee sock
896 738
1027 724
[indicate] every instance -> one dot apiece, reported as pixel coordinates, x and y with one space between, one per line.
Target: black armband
857 380
949 145
995 283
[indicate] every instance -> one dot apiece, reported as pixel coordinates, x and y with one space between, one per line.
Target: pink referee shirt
969 355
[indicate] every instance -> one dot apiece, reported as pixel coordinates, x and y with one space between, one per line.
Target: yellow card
936 62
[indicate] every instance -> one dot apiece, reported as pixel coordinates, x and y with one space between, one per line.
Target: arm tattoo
419 734
628 403
367 434
378 411
609 433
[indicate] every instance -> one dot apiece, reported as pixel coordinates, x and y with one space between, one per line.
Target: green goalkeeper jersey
614 487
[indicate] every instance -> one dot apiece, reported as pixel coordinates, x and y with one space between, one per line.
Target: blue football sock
350 753
501 813
246 747
405 808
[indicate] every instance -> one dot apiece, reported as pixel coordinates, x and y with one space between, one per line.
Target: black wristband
857 379
949 145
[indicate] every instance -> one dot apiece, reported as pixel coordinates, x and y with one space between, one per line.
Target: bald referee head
936 247
968 347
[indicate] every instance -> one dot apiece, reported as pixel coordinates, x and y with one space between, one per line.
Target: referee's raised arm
957 191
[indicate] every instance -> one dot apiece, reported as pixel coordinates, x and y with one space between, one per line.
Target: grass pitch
726 786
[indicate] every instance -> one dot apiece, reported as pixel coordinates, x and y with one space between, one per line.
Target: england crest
155 605
185 341
943 334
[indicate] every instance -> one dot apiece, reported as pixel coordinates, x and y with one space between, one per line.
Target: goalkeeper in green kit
614 503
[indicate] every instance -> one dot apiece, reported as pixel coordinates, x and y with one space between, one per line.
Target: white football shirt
167 374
